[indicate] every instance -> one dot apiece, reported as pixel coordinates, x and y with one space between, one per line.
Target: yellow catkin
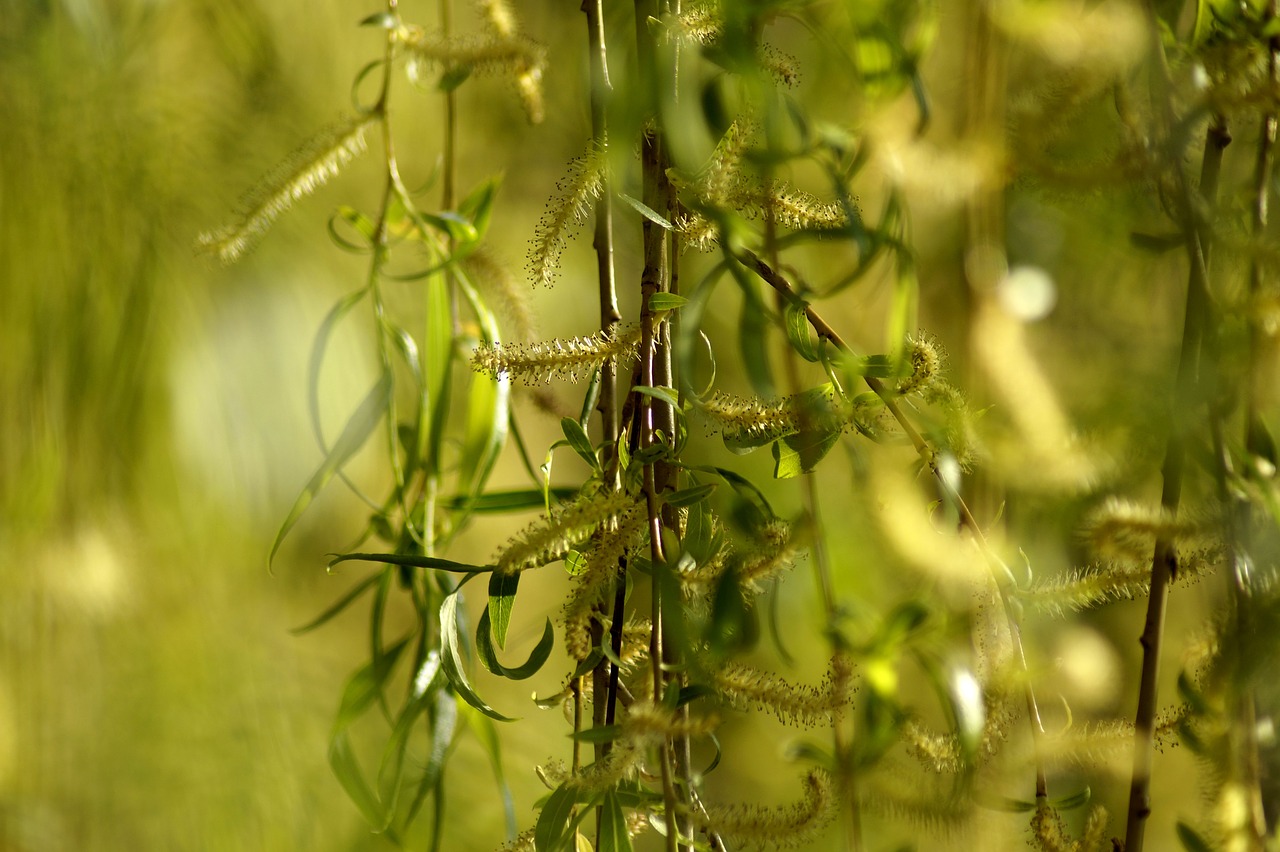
552 537
787 827
745 686
591 586
575 194
317 164
568 358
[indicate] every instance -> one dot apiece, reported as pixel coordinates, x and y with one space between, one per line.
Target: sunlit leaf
799 332
666 302
800 453
579 442
502 598
646 211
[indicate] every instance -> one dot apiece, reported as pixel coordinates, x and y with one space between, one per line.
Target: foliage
786 204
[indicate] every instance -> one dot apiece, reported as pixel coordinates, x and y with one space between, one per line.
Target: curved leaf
409 560
489 658
357 431
451 660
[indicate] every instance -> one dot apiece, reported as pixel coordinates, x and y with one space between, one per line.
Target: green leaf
1191 839
443 724
384 20
902 313
733 627
752 343
451 660
357 431
319 346
800 453
391 770
345 767
688 496
343 602
600 734
647 212
613 825
663 394
502 597
438 353
1075 800
549 831
488 406
408 560
904 621
365 686
478 205
666 302
575 563
487 734
362 224
453 78
578 440
537 657
799 332
507 501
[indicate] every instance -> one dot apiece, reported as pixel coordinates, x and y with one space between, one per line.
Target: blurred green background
155 428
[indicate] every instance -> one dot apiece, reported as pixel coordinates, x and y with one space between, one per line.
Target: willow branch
605 676
1000 572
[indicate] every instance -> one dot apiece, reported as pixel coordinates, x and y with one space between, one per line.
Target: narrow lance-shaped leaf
537 657
353 437
798 332
482 726
614 836
343 602
408 560
488 407
502 598
451 660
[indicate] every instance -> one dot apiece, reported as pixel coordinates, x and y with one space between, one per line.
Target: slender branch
656 415
1164 561
1000 572
605 676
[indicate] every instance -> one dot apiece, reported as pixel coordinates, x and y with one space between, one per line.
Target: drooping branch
999 571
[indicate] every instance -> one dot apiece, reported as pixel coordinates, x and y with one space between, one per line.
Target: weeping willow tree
808 199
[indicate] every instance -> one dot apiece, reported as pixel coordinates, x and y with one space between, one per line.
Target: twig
999 571
1164 561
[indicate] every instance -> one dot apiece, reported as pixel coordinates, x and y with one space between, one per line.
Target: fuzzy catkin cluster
746 420
500 50
787 827
551 538
745 686
569 207
571 358
593 585
314 166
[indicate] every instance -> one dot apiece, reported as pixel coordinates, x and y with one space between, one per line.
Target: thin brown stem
1197 322
656 416
605 675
